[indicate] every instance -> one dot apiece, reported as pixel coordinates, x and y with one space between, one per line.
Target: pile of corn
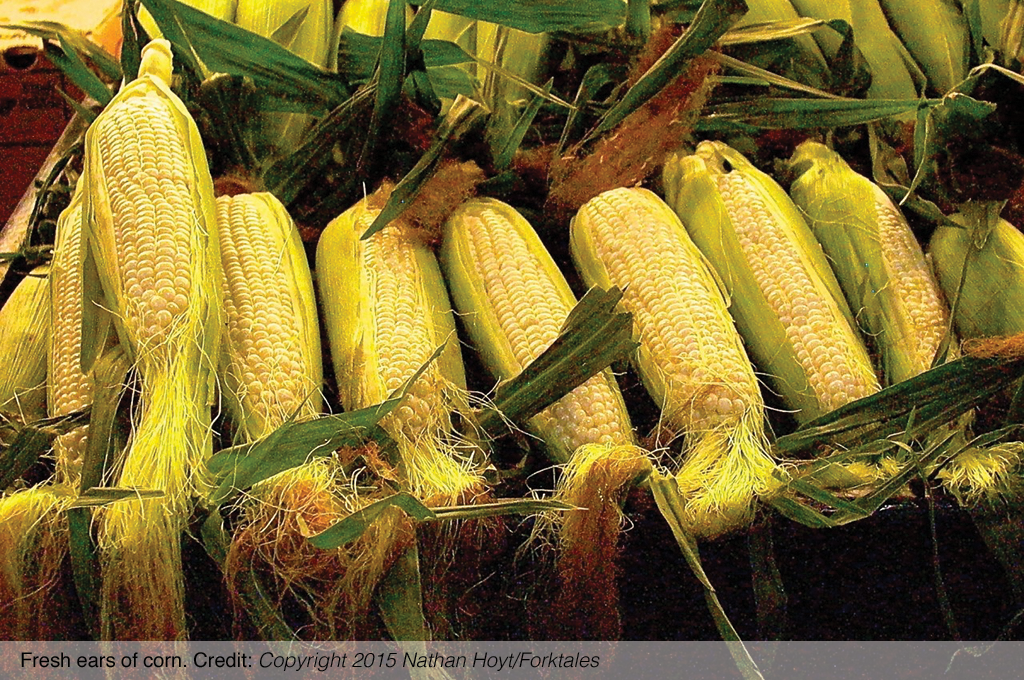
755 311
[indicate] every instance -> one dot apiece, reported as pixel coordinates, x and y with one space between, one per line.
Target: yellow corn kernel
876 258
386 313
691 358
784 297
151 221
24 329
514 301
272 359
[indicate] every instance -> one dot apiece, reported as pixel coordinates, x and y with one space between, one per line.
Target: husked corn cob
691 358
937 36
993 283
151 221
785 298
386 313
24 329
514 301
272 360
68 387
876 258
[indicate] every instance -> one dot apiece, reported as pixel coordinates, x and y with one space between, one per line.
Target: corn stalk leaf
132 34
67 59
712 20
224 47
594 335
540 16
769 592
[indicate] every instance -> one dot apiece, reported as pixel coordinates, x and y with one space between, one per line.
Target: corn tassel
876 258
691 358
151 221
785 299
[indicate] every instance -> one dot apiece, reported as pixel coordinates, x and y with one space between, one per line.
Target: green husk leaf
67 60
771 30
131 44
938 395
550 16
712 20
33 441
400 598
670 504
97 496
354 525
764 77
500 508
769 593
224 47
593 337
390 75
775 113
291 445
505 149
596 77
287 177
462 115
85 567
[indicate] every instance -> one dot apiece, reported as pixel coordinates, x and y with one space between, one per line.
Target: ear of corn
876 258
514 300
936 34
691 358
810 59
313 42
993 283
68 387
272 360
890 63
387 312
150 213
785 298
24 329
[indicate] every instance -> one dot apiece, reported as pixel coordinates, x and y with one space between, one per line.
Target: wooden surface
94 17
